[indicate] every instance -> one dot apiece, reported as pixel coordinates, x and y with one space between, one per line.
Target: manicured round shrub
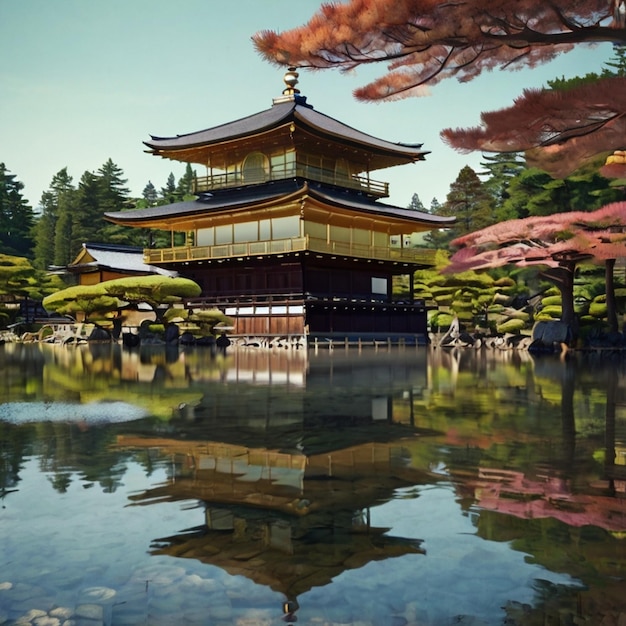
511 326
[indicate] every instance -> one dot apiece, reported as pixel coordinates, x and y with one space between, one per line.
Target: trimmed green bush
511 326
441 321
597 309
548 301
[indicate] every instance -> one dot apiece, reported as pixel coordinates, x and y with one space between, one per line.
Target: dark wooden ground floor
312 296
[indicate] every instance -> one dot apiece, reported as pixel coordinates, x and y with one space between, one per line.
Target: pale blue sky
82 81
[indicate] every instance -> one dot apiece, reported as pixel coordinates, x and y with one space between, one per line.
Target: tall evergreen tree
88 221
114 196
435 206
469 201
169 193
16 217
150 194
114 192
55 201
416 204
43 231
64 252
500 170
147 237
437 238
184 189
616 65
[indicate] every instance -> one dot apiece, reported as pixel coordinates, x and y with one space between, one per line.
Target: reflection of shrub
587 320
149 328
465 317
548 313
460 305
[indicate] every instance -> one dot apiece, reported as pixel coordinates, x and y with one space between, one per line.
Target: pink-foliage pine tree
557 243
560 130
426 41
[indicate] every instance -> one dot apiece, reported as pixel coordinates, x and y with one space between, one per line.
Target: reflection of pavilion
291 483
290 556
284 518
288 452
248 388
266 391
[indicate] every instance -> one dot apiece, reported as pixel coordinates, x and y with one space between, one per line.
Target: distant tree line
511 190
71 214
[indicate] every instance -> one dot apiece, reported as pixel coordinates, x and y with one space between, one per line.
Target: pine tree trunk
568 315
563 277
611 308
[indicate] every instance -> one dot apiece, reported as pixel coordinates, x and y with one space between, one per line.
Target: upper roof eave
296 111
330 126
264 120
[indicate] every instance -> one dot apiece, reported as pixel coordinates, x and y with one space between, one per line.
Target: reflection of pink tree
558 243
513 493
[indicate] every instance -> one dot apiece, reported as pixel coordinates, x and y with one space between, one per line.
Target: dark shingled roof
295 110
365 204
251 195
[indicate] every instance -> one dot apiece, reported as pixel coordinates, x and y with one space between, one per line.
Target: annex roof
121 258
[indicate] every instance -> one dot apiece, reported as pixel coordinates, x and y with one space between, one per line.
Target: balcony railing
180 254
213 182
224 251
424 256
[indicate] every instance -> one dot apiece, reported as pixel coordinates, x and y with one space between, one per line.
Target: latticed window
255 168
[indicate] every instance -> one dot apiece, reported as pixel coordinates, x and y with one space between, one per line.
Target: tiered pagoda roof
295 114
244 198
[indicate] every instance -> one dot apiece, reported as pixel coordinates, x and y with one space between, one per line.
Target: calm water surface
381 487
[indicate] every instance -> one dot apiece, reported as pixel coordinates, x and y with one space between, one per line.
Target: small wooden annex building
98 262
288 234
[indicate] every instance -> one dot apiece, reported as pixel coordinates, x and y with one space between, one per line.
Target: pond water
402 486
